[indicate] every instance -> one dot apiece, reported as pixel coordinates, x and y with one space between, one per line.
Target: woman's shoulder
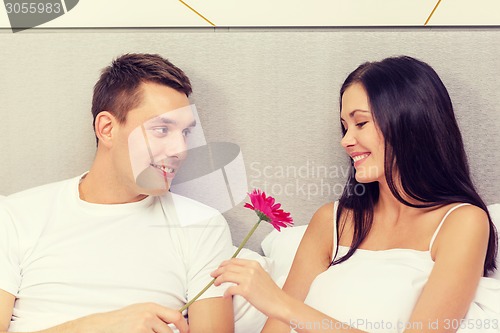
325 212
463 225
463 216
322 220
325 220
320 227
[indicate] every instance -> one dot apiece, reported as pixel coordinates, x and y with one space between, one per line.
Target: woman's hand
254 284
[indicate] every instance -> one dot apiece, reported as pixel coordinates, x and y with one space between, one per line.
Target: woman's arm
459 253
313 257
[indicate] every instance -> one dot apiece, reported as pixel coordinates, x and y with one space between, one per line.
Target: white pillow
246 317
495 217
281 247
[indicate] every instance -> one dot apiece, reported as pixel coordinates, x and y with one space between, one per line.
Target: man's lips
165 168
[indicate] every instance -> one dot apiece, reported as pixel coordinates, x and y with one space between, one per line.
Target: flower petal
268 209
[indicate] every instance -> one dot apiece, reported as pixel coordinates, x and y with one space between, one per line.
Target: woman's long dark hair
413 110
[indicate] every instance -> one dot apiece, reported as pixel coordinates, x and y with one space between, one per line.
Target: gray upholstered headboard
272 92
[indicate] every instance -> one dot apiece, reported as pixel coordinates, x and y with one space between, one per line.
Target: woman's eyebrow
351 114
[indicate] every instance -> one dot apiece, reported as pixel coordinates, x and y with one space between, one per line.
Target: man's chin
151 181
153 192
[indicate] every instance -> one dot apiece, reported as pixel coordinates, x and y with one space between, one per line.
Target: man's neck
101 186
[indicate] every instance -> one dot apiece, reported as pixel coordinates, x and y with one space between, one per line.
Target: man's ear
104 123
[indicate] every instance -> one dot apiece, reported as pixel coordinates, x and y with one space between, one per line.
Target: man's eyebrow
351 114
169 121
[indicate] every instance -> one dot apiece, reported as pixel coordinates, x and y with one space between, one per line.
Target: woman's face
363 140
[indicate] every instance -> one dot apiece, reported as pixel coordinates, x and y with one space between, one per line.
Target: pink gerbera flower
267 210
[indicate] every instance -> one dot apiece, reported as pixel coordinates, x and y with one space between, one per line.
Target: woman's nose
348 140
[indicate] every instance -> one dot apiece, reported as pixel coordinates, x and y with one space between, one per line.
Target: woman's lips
360 158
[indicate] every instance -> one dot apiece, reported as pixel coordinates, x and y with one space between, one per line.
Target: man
113 250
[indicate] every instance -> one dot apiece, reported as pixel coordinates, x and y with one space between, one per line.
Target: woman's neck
390 207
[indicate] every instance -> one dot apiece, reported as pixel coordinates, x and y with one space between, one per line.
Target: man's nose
176 146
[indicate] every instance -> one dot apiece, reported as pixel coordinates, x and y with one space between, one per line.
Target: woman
407 253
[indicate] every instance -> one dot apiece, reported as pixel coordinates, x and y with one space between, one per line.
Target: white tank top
376 291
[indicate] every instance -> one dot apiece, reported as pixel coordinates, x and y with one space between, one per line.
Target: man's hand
137 318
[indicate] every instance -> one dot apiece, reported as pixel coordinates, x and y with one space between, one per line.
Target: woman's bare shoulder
467 225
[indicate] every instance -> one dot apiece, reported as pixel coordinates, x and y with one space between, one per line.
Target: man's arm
147 317
211 315
208 244
6 305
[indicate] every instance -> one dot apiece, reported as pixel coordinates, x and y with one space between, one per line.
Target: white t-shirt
64 258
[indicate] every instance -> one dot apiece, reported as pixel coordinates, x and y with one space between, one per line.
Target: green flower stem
243 243
188 304
247 237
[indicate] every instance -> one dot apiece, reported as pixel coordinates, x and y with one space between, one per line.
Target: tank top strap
442 221
335 231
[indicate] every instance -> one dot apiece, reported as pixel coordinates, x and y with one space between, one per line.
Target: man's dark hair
118 89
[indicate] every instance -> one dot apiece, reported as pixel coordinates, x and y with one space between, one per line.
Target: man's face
154 139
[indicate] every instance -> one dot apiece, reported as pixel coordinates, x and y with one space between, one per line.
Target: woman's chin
365 179
367 175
